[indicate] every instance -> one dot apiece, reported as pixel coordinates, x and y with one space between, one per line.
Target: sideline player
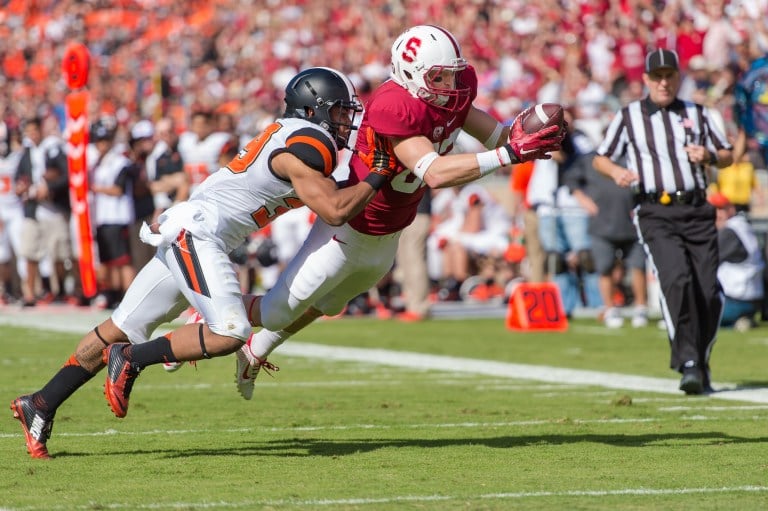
415 119
287 166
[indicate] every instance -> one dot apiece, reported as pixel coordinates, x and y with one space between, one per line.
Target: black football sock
156 351
64 383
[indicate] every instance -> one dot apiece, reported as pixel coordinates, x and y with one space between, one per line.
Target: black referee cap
659 59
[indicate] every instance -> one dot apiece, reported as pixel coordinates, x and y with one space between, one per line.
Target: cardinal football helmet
424 59
320 89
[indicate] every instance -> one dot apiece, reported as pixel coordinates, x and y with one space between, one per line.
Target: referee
668 144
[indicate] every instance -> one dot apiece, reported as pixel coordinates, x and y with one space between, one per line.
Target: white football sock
264 341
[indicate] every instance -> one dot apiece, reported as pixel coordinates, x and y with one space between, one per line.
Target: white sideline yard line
548 374
250 504
81 322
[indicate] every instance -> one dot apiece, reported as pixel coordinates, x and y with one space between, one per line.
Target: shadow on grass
747 385
308 447
740 386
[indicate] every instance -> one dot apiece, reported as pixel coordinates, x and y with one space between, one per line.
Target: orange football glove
381 157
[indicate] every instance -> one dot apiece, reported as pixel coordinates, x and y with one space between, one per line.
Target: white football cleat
247 369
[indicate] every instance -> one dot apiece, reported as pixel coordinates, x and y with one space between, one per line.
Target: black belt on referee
689 197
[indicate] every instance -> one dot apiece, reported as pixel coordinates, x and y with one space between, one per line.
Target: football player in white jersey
11 210
200 147
286 166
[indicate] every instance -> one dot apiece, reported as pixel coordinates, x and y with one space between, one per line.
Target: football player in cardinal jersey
286 166
415 117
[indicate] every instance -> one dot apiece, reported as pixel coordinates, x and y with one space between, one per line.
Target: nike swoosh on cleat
338 240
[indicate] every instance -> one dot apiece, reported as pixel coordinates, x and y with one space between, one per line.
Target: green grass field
435 433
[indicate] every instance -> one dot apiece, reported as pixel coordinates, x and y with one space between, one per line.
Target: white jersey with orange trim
246 195
11 211
8 197
192 266
201 157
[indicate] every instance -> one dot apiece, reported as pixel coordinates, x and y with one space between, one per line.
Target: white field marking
250 504
517 371
566 389
655 400
709 408
421 361
383 427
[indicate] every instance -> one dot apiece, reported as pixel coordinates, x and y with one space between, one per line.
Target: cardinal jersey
393 112
246 195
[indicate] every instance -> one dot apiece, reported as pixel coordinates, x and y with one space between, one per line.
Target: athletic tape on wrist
493 140
490 161
423 164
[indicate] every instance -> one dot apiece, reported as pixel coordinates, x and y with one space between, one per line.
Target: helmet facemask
313 95
443 89
339 122
423 60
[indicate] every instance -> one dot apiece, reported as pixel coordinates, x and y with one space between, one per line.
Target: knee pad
586 262
554 263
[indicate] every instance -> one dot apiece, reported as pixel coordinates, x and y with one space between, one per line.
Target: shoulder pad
314 147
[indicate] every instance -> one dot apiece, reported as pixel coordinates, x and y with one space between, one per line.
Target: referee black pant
681 242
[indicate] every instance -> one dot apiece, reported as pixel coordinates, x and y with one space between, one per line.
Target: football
542 116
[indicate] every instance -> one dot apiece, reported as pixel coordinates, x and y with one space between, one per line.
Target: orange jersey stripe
321 148
189 265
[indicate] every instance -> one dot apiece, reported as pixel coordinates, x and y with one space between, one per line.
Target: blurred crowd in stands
177 87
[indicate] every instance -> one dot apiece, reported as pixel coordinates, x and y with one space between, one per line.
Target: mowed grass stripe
420 426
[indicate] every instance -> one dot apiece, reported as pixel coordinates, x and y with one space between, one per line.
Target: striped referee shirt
653 139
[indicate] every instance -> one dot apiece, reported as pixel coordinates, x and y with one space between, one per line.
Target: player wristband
490 161
376 180
712 158
423 164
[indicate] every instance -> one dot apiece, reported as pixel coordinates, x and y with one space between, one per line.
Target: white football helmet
423 59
